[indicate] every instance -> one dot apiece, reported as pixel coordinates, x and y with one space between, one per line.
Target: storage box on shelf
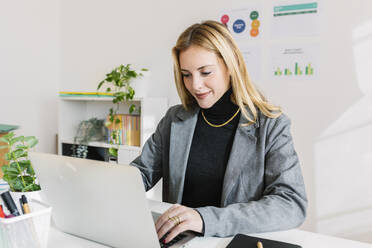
73 110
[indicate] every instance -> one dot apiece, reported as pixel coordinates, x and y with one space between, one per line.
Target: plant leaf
132 74
28 188
30 169
130 92
10 172
113 152
31 187
132 108
28 180
100 84
13 167
7 178
24 164
5 140
109 79
21 146
7 137
17 184
36 187
19 153
31 141
119 94
8 156
3 147
16 139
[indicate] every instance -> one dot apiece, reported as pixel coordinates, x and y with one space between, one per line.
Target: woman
226 155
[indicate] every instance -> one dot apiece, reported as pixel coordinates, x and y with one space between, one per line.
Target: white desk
58 239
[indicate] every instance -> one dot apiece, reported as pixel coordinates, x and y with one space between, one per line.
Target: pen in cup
259 244
25 205
2 214
9 203
21 205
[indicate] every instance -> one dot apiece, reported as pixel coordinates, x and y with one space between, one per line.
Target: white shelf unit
73 110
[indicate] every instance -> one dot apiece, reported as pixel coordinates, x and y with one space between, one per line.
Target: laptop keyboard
172 242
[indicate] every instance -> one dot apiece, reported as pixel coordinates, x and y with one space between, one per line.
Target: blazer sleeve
283 203
149 162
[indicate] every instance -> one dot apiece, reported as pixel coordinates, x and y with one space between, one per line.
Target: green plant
18 173
118 82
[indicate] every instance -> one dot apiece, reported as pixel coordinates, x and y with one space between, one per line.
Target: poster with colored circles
244 23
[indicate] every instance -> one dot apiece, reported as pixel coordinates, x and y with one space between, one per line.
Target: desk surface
58 239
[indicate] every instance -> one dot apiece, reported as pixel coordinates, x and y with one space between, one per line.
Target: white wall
331 120
342 151
99 35
29 68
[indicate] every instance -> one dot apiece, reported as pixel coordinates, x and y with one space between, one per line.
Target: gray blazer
263 188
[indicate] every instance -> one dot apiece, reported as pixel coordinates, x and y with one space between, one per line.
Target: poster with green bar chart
294 62
295 18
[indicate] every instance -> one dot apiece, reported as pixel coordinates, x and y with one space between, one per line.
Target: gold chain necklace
220 125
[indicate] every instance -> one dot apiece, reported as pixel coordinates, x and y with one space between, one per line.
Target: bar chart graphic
296 62
296 70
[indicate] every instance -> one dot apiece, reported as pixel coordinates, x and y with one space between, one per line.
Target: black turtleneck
209 154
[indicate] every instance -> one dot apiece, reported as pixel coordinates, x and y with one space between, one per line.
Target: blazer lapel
182 131
243 147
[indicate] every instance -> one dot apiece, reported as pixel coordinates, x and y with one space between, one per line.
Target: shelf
74 109
93 98
104 145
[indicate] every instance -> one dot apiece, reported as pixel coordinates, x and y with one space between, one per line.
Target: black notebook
244 241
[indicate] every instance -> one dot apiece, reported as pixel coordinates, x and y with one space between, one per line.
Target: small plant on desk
118 81
18 173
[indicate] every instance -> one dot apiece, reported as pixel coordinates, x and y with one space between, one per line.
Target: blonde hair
216 38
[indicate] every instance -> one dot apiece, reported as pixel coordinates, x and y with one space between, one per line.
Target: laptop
98 201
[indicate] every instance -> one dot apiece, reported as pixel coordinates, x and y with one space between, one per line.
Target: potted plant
118 82
19 173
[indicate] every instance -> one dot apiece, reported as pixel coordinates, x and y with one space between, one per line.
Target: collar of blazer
182 132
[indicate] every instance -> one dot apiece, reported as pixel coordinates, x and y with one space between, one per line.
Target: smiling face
204 74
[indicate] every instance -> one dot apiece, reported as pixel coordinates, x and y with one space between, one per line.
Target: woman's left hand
176 220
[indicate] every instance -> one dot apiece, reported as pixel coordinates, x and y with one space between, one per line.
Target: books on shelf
84 94
127 129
